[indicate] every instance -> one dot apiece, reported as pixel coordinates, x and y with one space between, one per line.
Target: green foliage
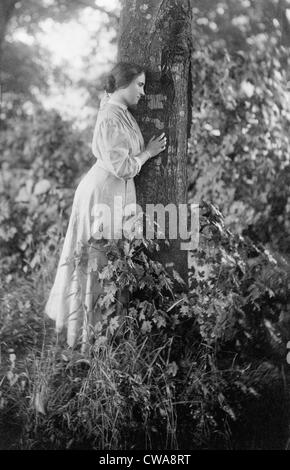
27 69
29 13
200 369
168 370
240 145
41 159
240 291
238 24
22 324
31 73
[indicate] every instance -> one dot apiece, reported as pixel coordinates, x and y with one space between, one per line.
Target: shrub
187 370
40 170
239 150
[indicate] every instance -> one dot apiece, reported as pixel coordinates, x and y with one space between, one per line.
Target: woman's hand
156 145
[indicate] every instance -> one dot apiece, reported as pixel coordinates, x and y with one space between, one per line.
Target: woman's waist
100 164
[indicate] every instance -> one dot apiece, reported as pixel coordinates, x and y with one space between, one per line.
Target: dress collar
111 101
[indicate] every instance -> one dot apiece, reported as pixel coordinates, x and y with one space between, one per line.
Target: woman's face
133 92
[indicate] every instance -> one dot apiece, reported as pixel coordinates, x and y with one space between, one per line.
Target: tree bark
284 22
157 35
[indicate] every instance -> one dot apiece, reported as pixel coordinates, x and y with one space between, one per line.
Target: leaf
177 277
162 412
161 321
179 301
184 309
139 270
114 324
4 210
146 326
41 187
39 402
172 369
126 248
110 296
230 412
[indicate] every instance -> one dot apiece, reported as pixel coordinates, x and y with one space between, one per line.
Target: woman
119 148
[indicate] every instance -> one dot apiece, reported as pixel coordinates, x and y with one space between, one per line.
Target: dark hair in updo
121 75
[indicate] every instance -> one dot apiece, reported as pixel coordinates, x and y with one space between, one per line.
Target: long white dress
117 140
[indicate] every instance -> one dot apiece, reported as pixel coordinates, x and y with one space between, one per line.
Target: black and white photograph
144 228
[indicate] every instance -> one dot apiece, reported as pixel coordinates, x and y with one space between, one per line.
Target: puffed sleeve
115 150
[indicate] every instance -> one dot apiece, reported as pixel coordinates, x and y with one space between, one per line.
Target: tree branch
111 14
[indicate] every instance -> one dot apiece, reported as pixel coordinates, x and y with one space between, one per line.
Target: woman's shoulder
110 114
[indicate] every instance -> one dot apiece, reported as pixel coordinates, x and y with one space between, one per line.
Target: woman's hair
121 75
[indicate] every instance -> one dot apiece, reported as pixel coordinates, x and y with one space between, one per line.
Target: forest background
202 369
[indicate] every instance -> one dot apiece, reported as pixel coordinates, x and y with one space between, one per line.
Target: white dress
117 140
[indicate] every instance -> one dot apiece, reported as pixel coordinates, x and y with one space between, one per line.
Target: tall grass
169 374
118 395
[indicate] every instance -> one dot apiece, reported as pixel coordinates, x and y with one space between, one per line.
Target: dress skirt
96 210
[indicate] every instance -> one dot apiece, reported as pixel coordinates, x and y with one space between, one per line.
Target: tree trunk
282 7
157 35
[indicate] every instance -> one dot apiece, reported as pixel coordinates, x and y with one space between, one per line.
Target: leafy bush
42 160
188 370
233 375
239 148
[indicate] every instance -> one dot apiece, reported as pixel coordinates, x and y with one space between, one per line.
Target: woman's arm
153 148
115 151
112 144
142 158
